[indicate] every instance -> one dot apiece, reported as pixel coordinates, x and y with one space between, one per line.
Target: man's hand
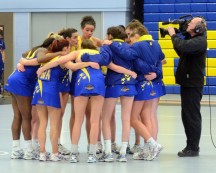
171 30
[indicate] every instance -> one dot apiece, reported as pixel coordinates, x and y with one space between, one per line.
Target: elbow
72 67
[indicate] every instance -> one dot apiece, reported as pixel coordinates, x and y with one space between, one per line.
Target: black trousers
191 116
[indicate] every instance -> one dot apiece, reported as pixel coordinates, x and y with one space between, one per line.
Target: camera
183 24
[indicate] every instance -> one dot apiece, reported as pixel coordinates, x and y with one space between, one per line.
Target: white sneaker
74 158
63 150
160 148
48 155
37 152
30 155
128 149
121 158
135 149
99 148
17 154
42 157
106 157
154 151
143 153
92 158
115 148
56 157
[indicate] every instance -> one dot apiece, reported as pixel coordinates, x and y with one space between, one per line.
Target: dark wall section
138 10
6 19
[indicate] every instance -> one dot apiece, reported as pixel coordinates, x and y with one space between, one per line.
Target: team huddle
126 66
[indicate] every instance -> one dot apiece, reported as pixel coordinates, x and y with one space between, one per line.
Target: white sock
92 149
16 144
123 147
74 149
151 142
107 144
28 145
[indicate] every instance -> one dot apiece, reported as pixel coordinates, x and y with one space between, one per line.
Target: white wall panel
44 23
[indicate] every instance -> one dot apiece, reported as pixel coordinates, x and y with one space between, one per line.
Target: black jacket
191 67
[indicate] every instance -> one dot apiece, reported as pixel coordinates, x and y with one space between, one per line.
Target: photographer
190 76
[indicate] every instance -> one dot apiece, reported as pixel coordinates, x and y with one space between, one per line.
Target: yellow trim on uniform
88 51
147 37
80 42
32 56
118 40
73 48
46 74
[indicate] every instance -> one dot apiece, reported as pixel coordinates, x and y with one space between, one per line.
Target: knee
34 120
17 118
27 117
78 119
133 122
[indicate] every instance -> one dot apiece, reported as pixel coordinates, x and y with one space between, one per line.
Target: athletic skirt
47 95
17 83
147 90
115 91
89 82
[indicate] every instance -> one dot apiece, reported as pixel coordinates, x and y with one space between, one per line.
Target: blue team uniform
64 83
72 82
90 81
74 73
23 83
118 84
147 56
47 88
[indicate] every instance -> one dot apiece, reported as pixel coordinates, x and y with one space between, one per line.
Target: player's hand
150 76
20 67
133 75
39 72
94 65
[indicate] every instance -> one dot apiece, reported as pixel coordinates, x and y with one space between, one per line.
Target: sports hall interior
27 23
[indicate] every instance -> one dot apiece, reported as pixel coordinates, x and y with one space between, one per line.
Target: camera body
182 22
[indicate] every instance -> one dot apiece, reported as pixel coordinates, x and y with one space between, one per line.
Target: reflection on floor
171 136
